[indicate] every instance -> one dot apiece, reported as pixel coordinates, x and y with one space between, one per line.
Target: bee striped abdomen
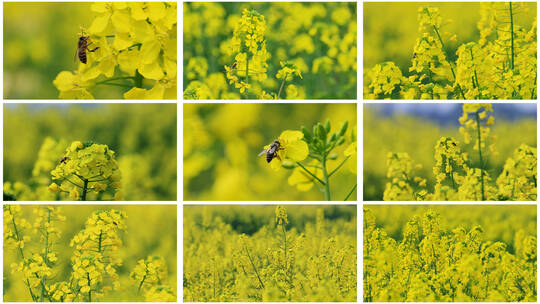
82 55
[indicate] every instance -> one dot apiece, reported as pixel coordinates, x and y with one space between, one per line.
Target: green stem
511 36
247 75
138 79
281 87
117 84
475 74
480 154
350 192
326 181
142 281
99 241
339 166
84 190
45 253
253 265
446 54
90 291
534 88
34 298
106 81
309 172
285 244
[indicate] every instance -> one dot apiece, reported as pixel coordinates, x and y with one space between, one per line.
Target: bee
82 47
114 223
64 160
414 55
271 152
234 65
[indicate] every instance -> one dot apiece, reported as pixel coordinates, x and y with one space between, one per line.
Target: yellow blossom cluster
84 168
426 257
500 65
133 41
231 49
460 176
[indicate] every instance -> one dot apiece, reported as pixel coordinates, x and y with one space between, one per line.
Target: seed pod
307 135
327 126
343 128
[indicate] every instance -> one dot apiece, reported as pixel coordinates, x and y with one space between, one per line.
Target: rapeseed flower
291 147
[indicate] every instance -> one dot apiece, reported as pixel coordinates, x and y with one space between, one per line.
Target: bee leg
93 49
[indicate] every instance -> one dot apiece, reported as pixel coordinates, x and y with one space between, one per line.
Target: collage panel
450 50
290 50
269 152
450 253
450 152
90 253
90 152
270 253
85 50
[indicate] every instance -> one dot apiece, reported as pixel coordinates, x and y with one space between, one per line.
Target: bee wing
263 152
76 53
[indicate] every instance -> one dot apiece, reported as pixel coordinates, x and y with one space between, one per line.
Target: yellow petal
122 41
351 149
156 10
135 93
169 48
151 71
107 66
275 164
297 150
291 135
137 11
156 92
300 180
119 5
170 68
142 31
76 94
129 61
90 74
99 7
121 21
170 93
64 81
150 51
99 24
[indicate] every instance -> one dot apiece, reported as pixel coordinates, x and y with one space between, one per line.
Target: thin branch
312 175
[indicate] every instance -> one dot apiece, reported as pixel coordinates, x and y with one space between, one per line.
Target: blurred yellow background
221 143
151 230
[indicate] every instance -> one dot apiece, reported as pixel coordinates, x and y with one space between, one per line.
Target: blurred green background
249 219
222 141
151 230
142 135
40 41
391 28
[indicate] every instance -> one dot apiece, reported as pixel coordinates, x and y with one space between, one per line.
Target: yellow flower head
291 147
89 164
